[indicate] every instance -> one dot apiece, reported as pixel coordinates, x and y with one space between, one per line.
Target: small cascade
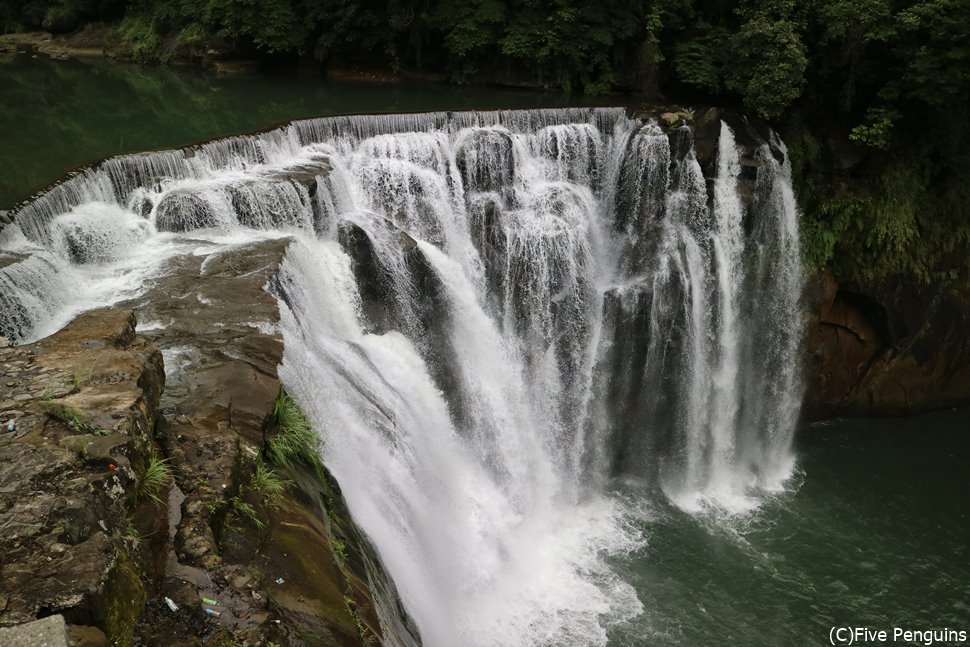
495 320
33 287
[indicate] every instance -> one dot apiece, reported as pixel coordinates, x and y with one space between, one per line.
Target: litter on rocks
211 612
279 580
11 424
171 604
210 601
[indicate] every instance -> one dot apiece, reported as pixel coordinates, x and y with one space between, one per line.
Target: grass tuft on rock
270 485
157 474
293 439
73 418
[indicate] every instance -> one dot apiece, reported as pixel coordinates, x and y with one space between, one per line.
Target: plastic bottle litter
171 605
211 612
11 424
210 601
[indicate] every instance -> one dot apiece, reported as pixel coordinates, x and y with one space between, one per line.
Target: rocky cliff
148 501
887 347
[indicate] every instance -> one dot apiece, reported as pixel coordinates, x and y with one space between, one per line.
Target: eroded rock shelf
185 377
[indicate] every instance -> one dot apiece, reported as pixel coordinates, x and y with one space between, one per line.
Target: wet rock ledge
144 472
84 405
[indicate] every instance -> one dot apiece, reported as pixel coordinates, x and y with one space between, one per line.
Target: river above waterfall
60 114
553 357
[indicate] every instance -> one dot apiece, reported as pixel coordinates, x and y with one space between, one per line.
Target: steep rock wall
889 347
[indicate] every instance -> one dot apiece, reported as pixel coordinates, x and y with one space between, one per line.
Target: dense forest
871 95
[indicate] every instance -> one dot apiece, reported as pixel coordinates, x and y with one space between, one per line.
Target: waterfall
495 321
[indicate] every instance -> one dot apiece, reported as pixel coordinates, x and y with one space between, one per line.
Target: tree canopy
863 57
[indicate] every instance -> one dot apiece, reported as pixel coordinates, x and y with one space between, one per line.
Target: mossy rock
676 119
122 601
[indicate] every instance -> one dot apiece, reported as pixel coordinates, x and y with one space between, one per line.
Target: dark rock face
376 292
485 161
184 211
492 243
890 347
142 205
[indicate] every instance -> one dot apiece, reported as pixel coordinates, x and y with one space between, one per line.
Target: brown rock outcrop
91 408
274 570
887 348
83 404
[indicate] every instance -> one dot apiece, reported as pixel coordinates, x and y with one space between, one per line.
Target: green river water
55 115
874 530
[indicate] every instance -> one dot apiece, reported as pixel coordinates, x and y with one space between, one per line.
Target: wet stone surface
79 421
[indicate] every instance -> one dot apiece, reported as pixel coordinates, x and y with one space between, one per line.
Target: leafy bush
768 59
699 60
145 41
192 35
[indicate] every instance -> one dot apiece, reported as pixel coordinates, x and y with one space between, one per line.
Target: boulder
676 119
184 210
46 632
485 160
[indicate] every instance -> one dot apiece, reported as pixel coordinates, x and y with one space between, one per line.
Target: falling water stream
502 324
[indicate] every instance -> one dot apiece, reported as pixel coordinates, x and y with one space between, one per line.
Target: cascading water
494 320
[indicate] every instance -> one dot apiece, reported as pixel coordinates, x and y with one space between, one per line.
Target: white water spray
492 319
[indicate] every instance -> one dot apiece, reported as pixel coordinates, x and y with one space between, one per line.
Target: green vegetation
876 51
339 549
157 473
145 41
131 532
73 418
363 633
237 509
77 377
266 489
291 439
79 446
269 485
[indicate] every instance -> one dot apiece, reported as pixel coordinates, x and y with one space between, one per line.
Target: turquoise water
55 115
873 532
